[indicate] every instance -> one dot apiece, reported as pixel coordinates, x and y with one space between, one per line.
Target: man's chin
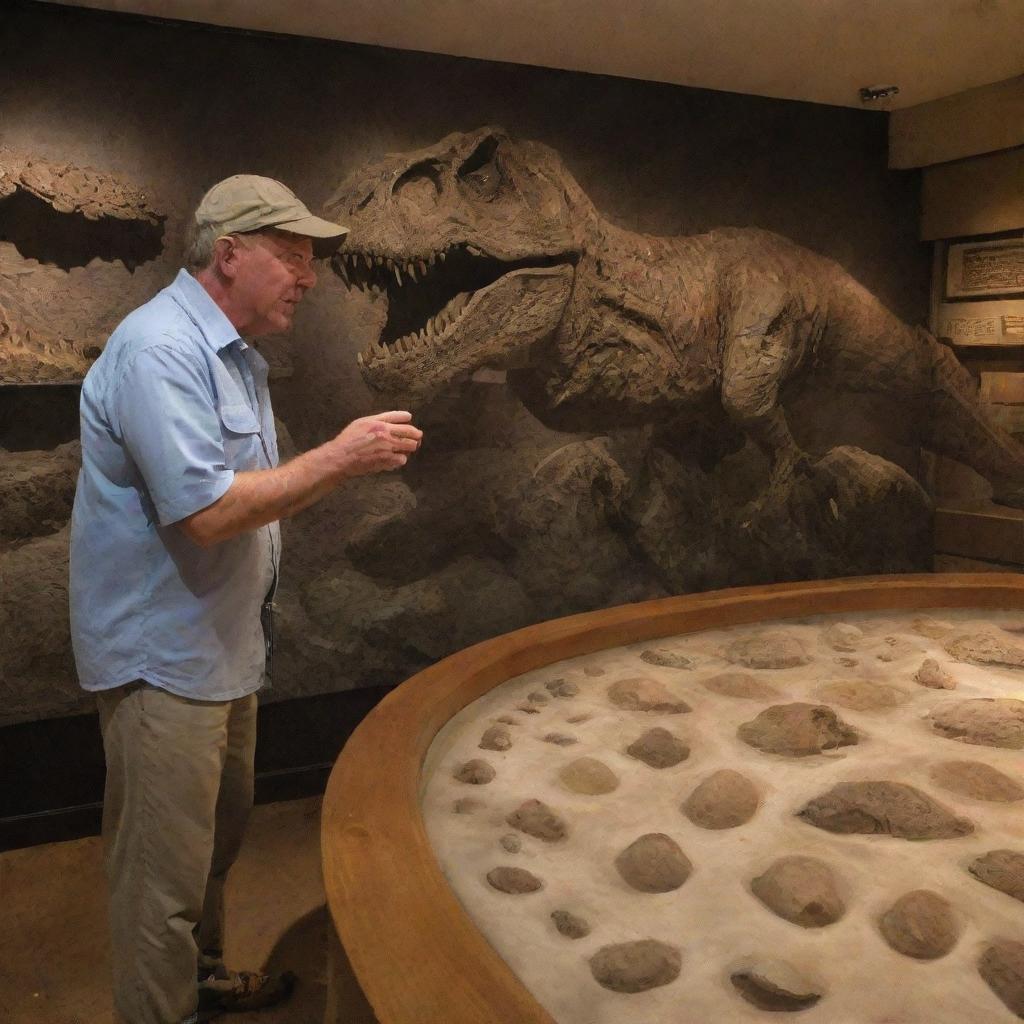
275 323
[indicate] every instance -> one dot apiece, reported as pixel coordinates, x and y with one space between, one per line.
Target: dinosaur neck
646 278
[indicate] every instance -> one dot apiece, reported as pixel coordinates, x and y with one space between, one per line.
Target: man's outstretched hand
377 443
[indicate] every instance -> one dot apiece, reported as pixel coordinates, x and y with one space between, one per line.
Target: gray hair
201 238
199 241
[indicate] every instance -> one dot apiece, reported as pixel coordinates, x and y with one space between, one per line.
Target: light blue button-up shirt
173 408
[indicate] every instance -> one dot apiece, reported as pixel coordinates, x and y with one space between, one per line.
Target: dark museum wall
493 528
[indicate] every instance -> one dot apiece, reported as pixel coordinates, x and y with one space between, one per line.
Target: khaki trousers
178 794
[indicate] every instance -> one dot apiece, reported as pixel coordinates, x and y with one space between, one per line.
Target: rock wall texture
110 136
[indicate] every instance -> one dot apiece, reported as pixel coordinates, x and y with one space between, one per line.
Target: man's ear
226 253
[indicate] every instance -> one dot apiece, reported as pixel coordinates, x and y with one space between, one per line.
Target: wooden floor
54 952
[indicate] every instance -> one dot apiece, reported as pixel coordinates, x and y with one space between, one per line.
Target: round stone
860 694
802 890
768 650
920 924
642 694
883 808
1002 968
797 730
724 799
740 684
476 773
589 776
934 676
653 863
982 721
496 737
1001 869
658 748
977 780
774 985
987 648
536 819
841 636
636 966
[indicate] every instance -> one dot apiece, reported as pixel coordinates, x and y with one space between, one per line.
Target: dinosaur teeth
441 256
398 274
473 250
368 260
422 268
379 261
412 273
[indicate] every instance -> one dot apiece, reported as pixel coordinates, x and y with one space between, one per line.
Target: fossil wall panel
69 239
505 517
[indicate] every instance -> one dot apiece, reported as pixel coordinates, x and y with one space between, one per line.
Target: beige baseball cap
248 202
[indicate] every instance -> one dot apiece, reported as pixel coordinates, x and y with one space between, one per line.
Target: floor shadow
303 950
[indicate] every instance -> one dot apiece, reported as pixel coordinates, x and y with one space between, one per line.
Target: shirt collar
217 330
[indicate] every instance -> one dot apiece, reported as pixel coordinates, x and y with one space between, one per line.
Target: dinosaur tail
955 424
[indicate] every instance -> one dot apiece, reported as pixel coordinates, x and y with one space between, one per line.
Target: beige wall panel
974 197
968 123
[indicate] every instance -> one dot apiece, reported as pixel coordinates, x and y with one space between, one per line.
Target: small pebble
475 773
496 737
511 843
514 881
560 739
569 925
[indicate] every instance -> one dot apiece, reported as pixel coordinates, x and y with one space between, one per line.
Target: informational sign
985 268
982 323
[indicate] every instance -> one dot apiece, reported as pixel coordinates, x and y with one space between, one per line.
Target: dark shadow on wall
66 240
38 417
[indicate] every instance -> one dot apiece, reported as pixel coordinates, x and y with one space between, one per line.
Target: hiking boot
225 991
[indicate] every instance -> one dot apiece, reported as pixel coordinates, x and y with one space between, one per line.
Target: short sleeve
165 414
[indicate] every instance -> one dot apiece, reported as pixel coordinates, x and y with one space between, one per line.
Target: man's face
273 270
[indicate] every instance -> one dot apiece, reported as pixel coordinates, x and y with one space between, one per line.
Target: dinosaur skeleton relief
68 237
490 254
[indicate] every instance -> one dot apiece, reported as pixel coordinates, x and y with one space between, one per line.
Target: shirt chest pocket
240 430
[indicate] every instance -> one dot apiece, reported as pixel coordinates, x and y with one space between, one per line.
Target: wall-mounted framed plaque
983 269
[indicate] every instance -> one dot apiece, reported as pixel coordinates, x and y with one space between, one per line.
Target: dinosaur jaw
454 312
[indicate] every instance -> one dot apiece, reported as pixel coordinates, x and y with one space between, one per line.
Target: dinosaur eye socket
480 170
420 184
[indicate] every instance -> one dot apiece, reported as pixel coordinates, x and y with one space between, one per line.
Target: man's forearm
264 496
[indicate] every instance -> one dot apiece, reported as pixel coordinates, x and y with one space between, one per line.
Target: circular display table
414 949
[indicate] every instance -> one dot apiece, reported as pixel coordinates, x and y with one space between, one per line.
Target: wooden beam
969 123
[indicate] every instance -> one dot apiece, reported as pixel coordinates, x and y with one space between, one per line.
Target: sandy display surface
713 919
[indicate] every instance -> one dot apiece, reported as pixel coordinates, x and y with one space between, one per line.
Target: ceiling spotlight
870 93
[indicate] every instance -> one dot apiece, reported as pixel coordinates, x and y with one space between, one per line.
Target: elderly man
174 561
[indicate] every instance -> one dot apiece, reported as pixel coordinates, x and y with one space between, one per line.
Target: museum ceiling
823 51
